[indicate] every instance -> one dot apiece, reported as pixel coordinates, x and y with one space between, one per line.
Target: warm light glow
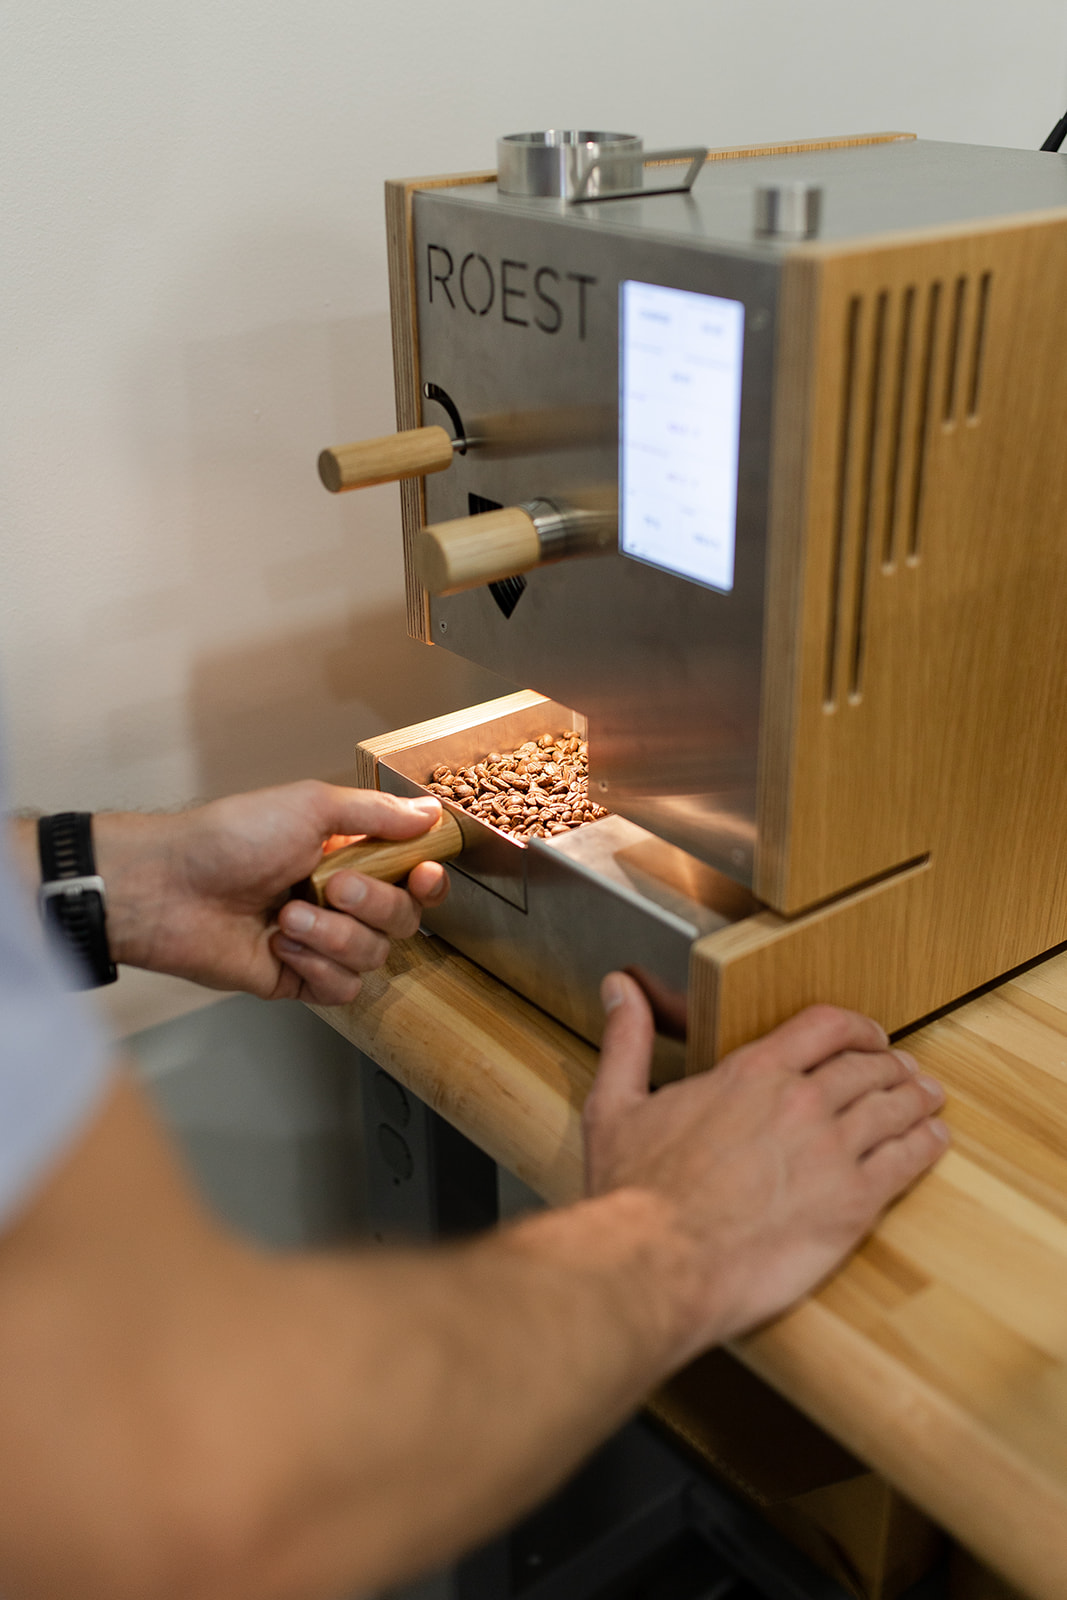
338 841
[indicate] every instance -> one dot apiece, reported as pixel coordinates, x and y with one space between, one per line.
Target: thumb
383 816
626 1050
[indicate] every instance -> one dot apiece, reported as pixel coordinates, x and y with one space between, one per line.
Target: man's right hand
773 1166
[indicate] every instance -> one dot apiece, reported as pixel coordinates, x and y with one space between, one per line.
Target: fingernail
909 1063
931 1087
349 894
883 1034
612 992
289 947
427 808
299 918
940 1131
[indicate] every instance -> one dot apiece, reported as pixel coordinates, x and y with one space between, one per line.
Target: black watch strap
72 896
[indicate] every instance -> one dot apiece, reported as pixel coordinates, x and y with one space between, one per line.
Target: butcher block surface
938 1354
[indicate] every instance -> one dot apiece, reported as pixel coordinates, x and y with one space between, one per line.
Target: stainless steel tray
551 917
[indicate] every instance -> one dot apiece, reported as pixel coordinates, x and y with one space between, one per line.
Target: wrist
22 837
131 855
632 1250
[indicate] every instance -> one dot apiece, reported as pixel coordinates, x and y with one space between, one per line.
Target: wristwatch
71 896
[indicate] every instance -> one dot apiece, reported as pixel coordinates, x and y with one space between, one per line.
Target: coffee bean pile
540 789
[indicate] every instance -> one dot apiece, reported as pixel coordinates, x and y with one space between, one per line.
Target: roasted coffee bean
538 791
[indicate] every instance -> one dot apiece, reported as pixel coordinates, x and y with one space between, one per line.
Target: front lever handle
388 860
387 460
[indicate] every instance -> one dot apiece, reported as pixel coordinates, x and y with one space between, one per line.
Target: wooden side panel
916 664
918 683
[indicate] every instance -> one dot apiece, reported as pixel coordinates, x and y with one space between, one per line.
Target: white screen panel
680 361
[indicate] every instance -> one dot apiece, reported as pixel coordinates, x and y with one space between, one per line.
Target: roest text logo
525 296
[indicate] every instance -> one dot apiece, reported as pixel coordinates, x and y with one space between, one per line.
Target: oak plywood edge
370 751
847 141
404 323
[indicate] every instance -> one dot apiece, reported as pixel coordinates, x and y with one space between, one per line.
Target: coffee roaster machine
752 463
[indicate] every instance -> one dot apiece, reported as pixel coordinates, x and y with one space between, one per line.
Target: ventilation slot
952 366
922 426
874 402
844 493
902 379
974 385
913 359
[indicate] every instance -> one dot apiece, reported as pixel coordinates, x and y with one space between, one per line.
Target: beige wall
194 302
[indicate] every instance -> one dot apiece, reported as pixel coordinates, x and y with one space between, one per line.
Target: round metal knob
788 210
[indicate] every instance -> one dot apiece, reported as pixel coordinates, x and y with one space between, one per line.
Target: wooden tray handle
451 556
386 460
384 859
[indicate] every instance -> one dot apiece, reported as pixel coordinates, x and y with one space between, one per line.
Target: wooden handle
387 460
450 556
386 859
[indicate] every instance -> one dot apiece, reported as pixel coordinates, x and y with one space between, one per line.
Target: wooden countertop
938 1354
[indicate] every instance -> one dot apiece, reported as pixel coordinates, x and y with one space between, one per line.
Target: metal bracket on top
696 155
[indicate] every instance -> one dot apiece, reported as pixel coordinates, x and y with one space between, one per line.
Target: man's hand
774 1165
201 894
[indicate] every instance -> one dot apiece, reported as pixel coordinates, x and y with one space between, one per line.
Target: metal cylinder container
554 163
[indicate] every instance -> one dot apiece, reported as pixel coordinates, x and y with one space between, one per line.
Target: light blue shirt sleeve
54 1057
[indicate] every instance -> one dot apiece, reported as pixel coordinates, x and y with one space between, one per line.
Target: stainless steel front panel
518 324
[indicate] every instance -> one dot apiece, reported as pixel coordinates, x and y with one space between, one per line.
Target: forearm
479 1379
273 1428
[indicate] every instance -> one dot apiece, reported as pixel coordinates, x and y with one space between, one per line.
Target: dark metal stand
640 1521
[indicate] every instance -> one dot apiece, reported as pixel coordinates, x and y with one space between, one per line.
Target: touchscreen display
680 358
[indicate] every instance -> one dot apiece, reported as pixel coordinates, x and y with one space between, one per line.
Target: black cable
1057 136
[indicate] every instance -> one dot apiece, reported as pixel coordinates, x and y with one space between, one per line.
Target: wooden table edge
513 1080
